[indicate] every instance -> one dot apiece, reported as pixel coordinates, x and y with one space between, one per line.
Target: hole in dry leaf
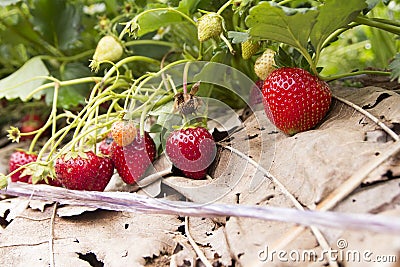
181 229
396 127
240 255
363 122
161 260
126 226
219 135
237 198
187 263
178 248
91 258
3 221
380 98
390 175
233 263
249 137
266 199
377 136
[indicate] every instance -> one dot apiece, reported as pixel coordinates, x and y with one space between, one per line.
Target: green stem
378 24
63 83
127 60
185 74
356 73
150 42
225 6
61 135
54 109
68 58
309 59
73 142
53 137
52 118
284 2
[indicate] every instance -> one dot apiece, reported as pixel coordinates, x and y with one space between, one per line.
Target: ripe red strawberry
30 123
192 150
132 161
17 159
123 132
105 145
84 171
295 100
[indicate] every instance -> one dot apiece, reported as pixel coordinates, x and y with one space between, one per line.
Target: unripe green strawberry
109 49
249 48
209 26
265 64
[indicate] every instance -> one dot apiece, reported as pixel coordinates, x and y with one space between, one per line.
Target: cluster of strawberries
190 149
294 100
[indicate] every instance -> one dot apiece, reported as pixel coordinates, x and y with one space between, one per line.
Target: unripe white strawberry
265 64
249 48
209 26
109 49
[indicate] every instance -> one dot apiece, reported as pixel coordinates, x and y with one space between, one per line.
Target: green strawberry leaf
58 22
238 37
23 81
188 6
152 21
333 15
282 24
395 68
72 95
298 27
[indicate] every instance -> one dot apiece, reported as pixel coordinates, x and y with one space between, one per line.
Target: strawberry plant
114 69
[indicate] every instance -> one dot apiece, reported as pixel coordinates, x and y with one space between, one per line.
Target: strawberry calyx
3 181
14 134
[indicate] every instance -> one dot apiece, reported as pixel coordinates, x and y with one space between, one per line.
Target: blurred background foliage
364 47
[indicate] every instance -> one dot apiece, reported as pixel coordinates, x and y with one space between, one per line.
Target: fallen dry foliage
267 191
